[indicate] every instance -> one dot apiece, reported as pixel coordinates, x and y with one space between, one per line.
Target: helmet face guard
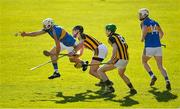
78 28
75 35
47 26
48 23
143 13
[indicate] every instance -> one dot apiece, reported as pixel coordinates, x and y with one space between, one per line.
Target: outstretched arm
32 34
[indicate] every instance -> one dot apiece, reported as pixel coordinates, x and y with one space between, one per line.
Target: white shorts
68 49
63 47
101 53
153 51
121 64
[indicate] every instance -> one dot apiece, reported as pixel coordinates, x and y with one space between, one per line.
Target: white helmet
48 23
143 13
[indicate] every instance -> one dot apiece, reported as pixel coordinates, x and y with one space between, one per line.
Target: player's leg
121 65
107 84
75 59
145 58
54 63
99 56
126 80
163 71
94 68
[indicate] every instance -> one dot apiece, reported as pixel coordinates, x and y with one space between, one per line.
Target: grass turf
20 87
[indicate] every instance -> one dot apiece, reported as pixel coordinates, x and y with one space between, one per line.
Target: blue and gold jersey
62 35
152 38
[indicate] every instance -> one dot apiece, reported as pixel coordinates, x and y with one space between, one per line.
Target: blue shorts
68 41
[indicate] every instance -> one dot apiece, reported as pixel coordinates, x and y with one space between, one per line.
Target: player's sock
168 85
55 67
151 74
130 86
132 90
167 79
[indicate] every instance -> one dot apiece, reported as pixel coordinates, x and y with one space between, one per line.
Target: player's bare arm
144 32
32 34
81 51
161 33
113 53
77 48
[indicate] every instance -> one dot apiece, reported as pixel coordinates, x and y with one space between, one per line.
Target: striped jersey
90 42
122 47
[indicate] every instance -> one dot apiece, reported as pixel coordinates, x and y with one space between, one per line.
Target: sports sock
151 74
167 79
130 86
55 67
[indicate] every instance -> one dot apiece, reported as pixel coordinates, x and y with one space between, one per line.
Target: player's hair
80 28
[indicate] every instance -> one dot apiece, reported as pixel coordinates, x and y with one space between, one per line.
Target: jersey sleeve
112 40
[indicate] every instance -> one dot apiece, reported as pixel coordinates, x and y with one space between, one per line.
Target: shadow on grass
92 95
126 101
162 96
85 97
89 96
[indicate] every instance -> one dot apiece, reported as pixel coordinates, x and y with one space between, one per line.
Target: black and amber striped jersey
122 47
90 42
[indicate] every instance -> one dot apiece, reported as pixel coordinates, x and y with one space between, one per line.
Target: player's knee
101 70
53 51
144 61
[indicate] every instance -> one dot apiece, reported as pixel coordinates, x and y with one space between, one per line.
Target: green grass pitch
20 87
